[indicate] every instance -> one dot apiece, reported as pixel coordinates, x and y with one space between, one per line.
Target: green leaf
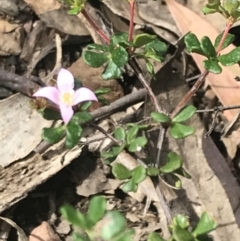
115 223
230 5
212 66
193 44
152 55
229 39
206 224
154 237
73 216
119 56
102 91
111 71
120 134
143 39
86 105
160 118
96 210
152 171
74 132
181 221
156 46
129 186
177 181
94 59
207 47
181 171
174 162
207 10
53 134
79 237
50 114
126 235
141 141
139 174
186 113
99 47
231 58
120 171
150 69
132 133
178 130
82 117
74 11
113 152
180 234
120 39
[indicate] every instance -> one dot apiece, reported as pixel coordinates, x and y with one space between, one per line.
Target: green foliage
53 134
50 114
174 162
160 118
73 133
75 6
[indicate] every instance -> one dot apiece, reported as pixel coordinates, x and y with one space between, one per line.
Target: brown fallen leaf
43 232
224 85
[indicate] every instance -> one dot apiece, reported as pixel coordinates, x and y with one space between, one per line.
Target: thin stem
95 27
131 24
201 79
219 109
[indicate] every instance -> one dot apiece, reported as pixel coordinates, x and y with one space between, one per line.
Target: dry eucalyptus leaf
10 41
20 129
43 232
21 235
55 16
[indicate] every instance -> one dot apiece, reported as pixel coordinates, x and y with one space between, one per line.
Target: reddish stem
96 28
201 79
131 24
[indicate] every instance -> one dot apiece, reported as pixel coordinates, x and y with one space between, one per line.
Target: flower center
67 98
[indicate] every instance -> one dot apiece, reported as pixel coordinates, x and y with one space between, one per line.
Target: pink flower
64 95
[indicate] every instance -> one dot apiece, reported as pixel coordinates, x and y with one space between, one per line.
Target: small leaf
177 181
120 134
119 56
139 174
180 234
154 237
186 113
53 134
99 47
207 10
152 171
74 132
102 91
96 210
82 117
154 56
94 59
73 216
114 224
137 144
181 221
120 171
229 39
126 235
129 186
178 130
174 162
207 47
50 114
111 71
212 66
206 224
113 152
193 44
132 133
86 105
120 39
74 11
79 237
158 47
160 118
181 171
231 58
150 69
143 39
